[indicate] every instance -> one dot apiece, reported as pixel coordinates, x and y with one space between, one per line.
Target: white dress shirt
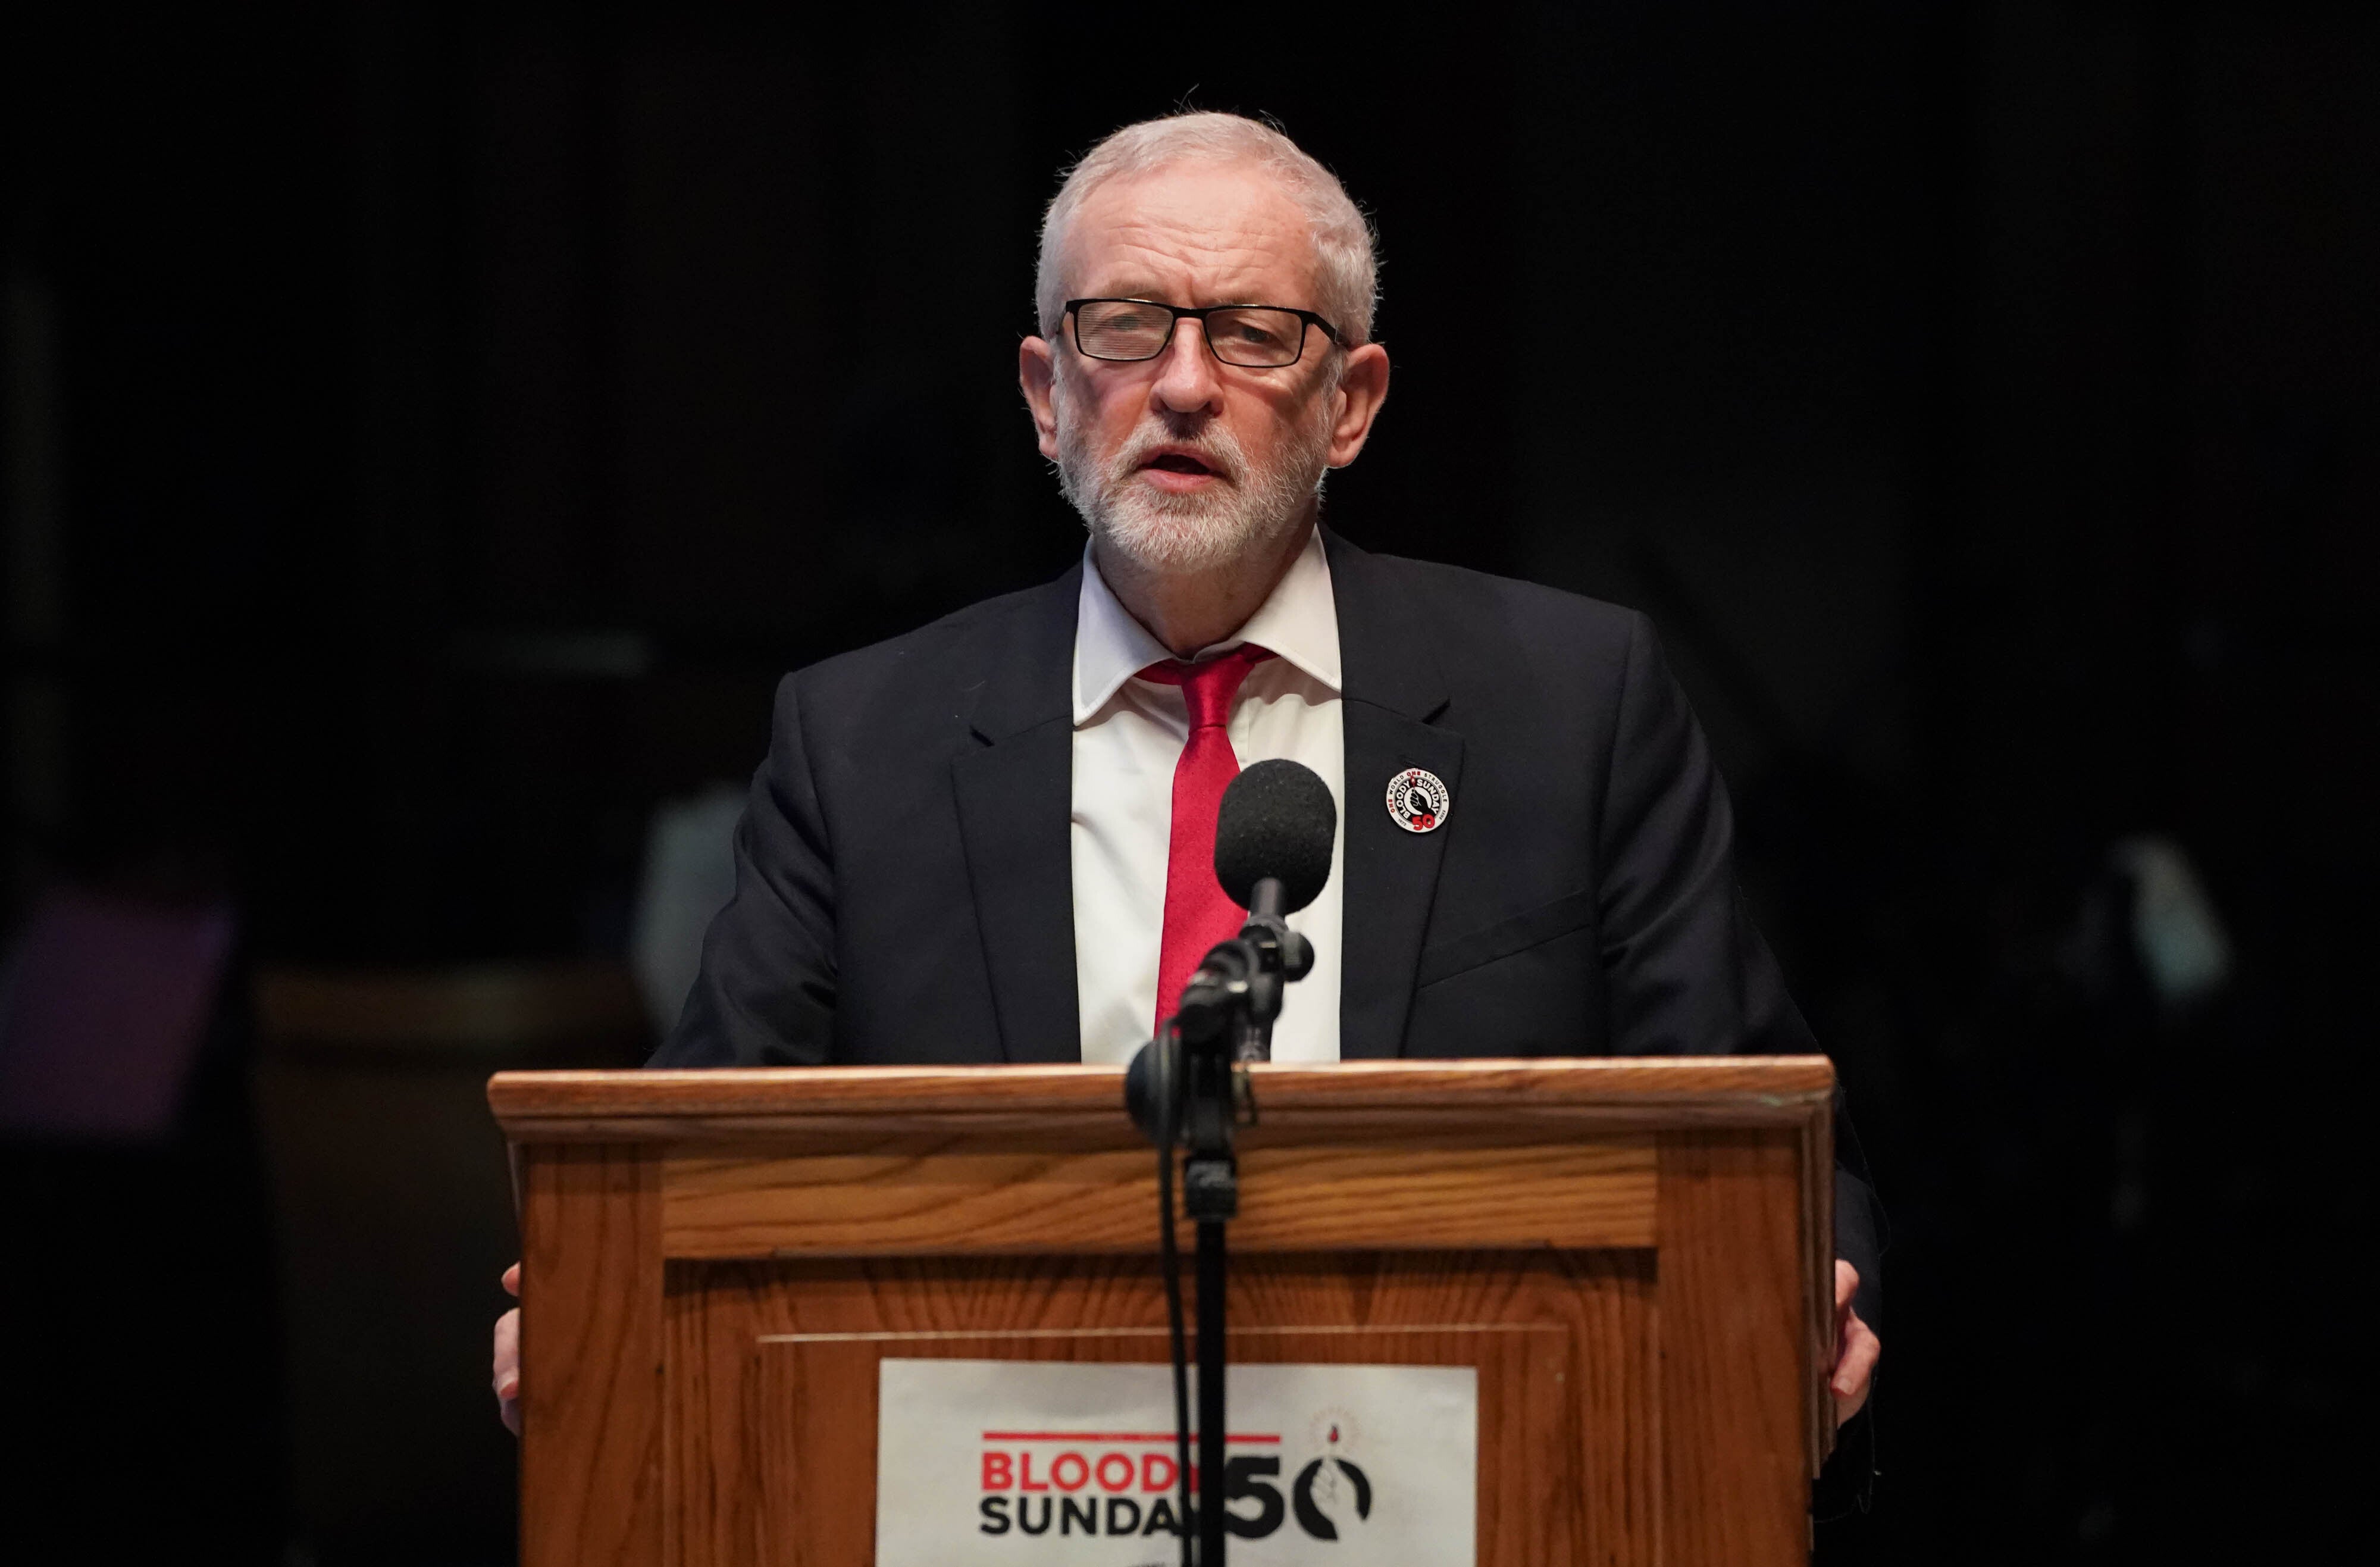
1128 734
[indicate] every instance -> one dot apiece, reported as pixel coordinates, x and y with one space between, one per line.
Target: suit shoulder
949 652
1465 603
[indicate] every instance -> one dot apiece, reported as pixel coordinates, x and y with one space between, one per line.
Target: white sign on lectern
1001 1463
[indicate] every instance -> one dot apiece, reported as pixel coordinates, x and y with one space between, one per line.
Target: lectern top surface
1714 1090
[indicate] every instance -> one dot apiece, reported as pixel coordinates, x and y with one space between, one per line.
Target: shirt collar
1299 622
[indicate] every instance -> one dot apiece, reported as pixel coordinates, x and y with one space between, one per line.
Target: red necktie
1198 913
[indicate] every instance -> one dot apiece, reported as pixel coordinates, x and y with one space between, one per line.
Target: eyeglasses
1252 336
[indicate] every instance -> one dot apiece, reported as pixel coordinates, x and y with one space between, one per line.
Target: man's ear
1362 387
1037 372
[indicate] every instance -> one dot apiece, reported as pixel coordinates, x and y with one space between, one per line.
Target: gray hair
1350 277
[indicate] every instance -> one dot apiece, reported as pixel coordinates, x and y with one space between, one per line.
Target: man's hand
508 1357
1856 1347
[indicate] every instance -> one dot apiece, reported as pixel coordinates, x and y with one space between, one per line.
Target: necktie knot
1210 688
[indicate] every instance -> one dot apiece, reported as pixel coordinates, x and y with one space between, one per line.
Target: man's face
1182 463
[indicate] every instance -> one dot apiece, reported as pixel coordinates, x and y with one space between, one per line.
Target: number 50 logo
1253 1479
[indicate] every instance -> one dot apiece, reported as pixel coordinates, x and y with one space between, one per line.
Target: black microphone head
1278 820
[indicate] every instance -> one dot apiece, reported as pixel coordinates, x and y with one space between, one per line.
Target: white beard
1252 506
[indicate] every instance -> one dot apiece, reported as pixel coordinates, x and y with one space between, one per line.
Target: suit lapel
1015 797
1391 688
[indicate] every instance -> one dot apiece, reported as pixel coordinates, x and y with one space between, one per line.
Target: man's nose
1187 383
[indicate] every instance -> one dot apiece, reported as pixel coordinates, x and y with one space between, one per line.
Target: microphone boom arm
1191 1084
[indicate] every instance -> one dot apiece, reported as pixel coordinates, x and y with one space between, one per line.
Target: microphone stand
1224 1022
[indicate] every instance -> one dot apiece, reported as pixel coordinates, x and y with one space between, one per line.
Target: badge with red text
1418 801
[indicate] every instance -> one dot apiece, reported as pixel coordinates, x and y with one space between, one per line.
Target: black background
449 420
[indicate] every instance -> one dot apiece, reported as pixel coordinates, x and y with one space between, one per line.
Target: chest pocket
1506 937
1528 986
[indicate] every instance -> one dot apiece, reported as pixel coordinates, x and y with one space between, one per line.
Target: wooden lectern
1634 1254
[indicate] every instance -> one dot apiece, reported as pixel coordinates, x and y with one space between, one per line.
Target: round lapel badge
1418 801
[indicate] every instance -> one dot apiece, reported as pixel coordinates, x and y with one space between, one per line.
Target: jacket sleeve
765 995
1685 971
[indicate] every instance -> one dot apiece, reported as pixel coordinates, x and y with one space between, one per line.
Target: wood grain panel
816 1430
592 1362
1735 1364
1619 1403
1385 1201
1563 1342
987 1194
714 1475
1817 1184
1408 1097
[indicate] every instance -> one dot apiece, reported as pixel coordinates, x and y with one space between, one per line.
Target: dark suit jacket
904 882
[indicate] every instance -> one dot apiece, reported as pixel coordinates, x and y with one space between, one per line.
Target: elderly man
990 840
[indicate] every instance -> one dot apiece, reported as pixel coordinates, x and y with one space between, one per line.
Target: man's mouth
1179 462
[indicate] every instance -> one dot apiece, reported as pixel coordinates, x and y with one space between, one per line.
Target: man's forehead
1219 230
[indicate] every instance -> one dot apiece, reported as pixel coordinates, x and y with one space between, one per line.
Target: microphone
1272 858
1273 837
1277 822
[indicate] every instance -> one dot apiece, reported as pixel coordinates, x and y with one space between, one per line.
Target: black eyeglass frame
1199 313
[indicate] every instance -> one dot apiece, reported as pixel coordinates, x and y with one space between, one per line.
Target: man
991 840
